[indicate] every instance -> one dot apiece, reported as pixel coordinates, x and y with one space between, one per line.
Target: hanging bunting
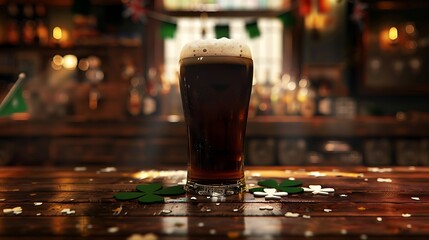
168 30
222 31
134 9
305 7
287 19
253 29
323 6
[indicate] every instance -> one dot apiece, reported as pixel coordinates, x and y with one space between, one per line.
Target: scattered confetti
208 210
316 174
343 195
200 224
361 208
235 210
406 215
317 189
148 236
72 199
366 179
270 194
291 178
409 225
15 210
212 231
33 194
112 229
291 214
217 204
343 231
193 198
68 211
167 211
379 219
37 203
80 169
415 198
308 233
363 237
306 216
108 169
380 170
384 180
38 214
266 207
327 210
208 197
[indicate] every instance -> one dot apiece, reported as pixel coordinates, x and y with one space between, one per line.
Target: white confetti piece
366 179
380 170
415 198
316 174
112 229
208 210
212 231
8 210
37 203
235 210
308 233
291 214
193 198
343 195
379 219
327 210
15 210
343 231
201 224
409 225
166 211
217 204
363 237
38 214
317 189
291 178
108 170
251 184
80 169
68 211
266 207
256 174
306 216
406 215
388 180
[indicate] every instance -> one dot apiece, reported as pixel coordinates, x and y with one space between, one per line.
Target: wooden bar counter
75 203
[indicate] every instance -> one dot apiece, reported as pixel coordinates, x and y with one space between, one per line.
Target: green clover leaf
150 193
289 186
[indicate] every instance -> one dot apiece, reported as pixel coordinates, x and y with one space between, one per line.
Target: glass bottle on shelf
324 99
151 98
29 32
264 106
306 97
290 97
13 34
134 102
278 101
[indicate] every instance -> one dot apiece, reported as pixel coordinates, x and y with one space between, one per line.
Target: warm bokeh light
70 61
57 33
393 34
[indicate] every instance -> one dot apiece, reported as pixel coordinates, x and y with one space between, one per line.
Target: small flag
168 30
253 29
287 19
14 101
222 31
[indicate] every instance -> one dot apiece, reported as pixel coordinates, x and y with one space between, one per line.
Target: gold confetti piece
308 233
37 203
361 208
117 211
148 236
406 215
80 169
233 234
112 229
343 231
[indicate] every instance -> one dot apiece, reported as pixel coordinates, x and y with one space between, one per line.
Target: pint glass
215 86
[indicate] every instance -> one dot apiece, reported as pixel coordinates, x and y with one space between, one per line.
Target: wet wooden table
73 203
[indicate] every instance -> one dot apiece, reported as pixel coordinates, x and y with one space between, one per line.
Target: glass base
215 189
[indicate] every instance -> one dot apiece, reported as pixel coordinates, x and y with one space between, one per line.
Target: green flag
222 31
287 19
168 30
253 29
14 101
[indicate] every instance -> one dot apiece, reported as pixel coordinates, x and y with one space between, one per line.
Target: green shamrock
289 186
150 193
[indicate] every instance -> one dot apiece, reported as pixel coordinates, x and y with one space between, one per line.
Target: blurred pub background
337 82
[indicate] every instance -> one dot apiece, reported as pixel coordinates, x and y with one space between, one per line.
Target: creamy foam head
216 47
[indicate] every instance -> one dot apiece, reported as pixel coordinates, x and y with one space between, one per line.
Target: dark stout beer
215 93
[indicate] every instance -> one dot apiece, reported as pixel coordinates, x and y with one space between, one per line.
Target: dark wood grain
361 207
